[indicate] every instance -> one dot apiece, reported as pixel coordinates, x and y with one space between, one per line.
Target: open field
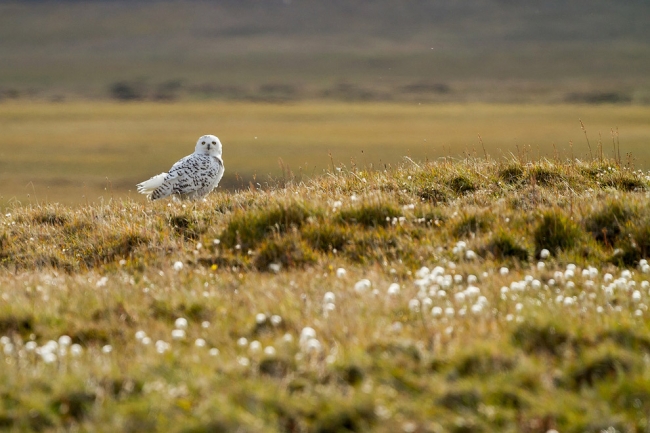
79 152
465 296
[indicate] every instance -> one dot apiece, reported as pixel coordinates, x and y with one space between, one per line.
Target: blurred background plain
98 95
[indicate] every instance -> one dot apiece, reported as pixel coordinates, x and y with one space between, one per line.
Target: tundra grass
83 152
355 301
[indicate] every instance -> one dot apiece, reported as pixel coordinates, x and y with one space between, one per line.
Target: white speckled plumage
192 177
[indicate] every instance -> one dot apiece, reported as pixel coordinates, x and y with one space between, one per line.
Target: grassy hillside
478 50
85 152
438 296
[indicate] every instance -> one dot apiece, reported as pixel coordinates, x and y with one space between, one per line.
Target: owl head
208 144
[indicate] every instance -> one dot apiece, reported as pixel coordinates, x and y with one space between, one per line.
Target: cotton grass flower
178 266
306 334
30 346
178 334
49 357
76 350
362 285
255 347
181 323
161 346
393 289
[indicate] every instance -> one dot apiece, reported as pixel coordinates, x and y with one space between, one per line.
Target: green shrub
22 325
483 362
473 224
540 338
622 180
74 405
512 175
503 246
369 215
186 226
432 194
287 252
556 232
606 224
458 400
546 176
461 185
50 217
345 416
326 236
634 242
249 228
600 365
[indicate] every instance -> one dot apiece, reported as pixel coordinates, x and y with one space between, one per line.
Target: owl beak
208 146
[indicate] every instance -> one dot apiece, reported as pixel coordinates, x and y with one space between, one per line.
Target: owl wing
168 184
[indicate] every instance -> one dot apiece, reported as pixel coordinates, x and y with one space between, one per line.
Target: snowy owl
192 177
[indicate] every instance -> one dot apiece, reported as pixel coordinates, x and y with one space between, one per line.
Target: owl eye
203 142
214 142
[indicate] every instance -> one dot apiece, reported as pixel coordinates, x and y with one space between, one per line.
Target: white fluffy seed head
362 285
329 297
393 289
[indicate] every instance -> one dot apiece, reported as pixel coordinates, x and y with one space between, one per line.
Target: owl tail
149 186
